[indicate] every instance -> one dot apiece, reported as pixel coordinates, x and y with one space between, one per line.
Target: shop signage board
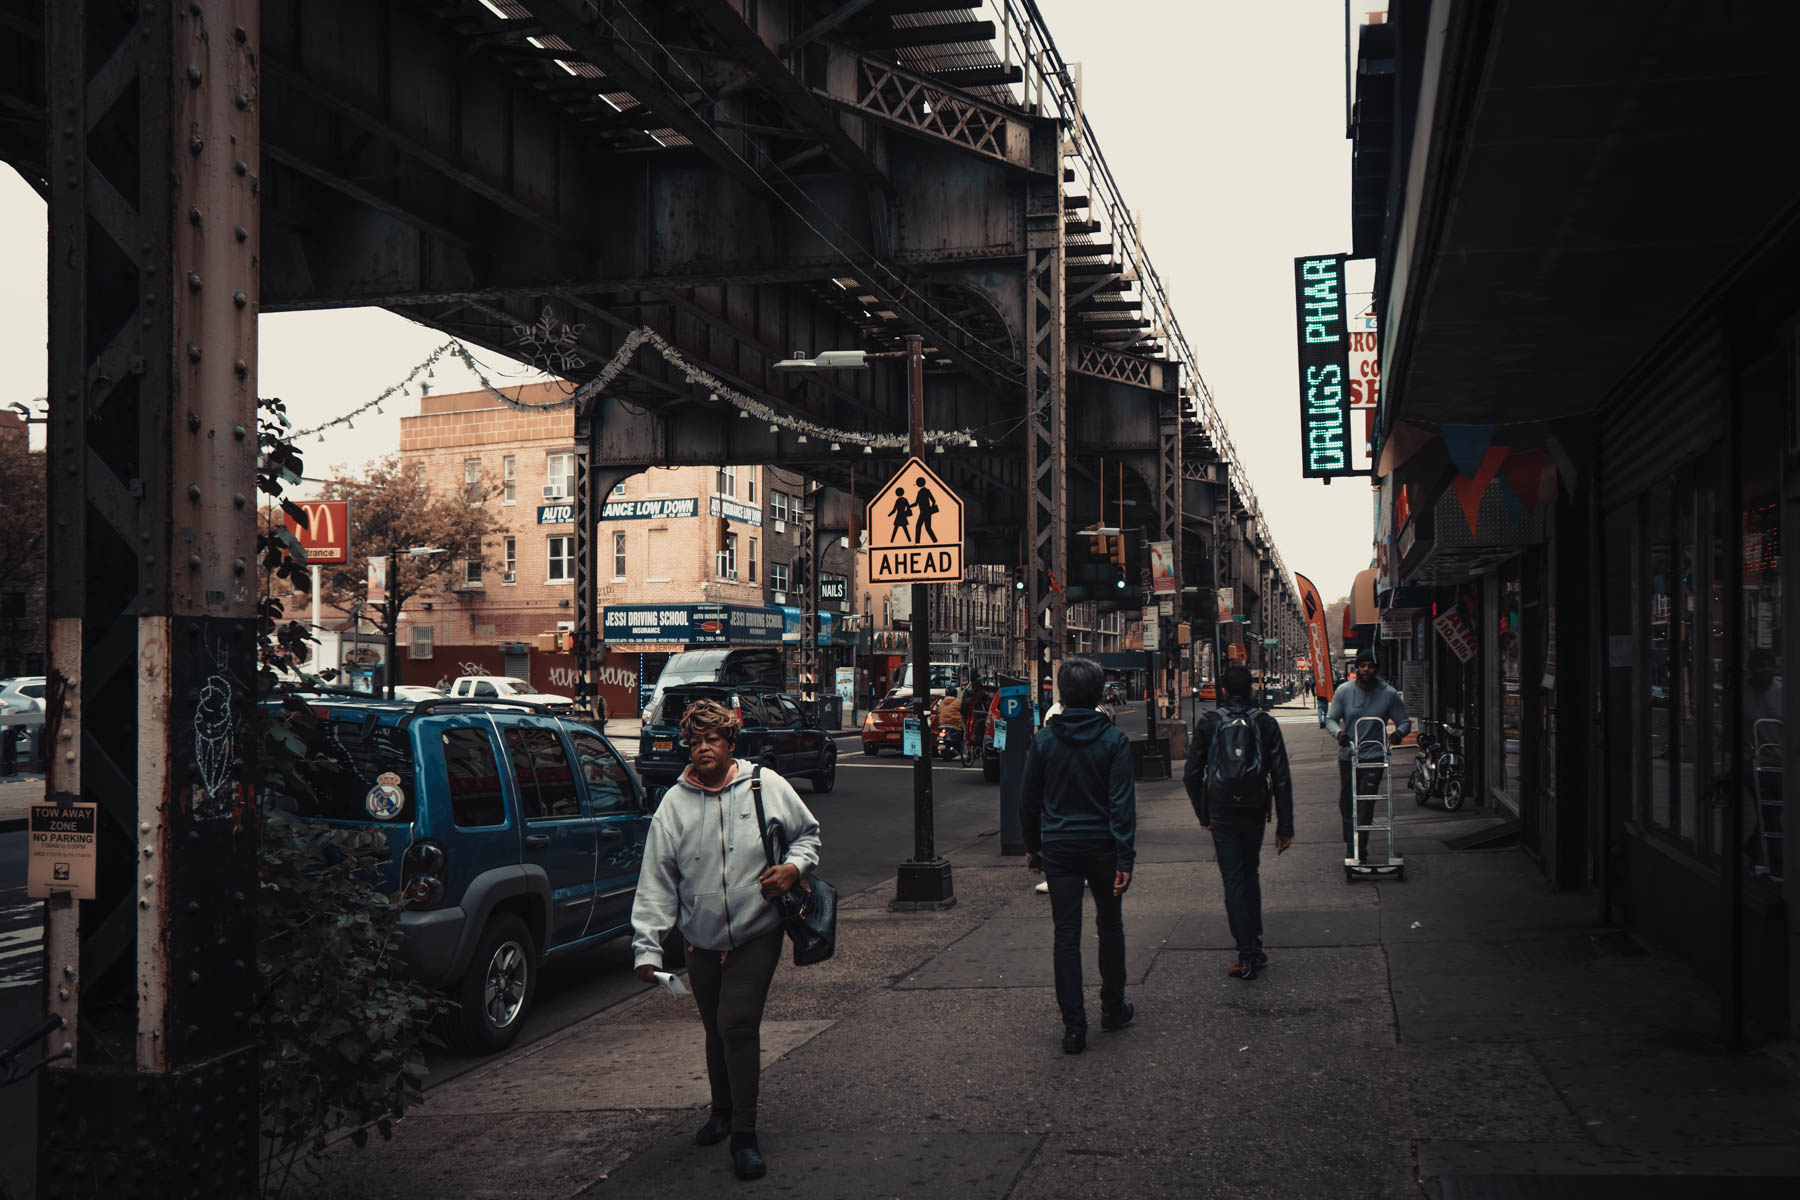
662 508
1456 633
556 514
64 847
1396 626
377 580
326 536
691 624
1322 331
833 587
915 528
734 510
1152 630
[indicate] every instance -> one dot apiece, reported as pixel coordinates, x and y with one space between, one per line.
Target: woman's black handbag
809 909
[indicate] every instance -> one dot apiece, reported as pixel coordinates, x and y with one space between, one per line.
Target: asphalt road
21 1003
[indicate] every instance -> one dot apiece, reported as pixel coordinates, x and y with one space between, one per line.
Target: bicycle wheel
970 750
1453 789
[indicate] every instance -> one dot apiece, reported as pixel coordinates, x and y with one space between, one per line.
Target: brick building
676 538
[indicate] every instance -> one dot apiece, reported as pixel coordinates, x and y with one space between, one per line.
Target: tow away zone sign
64 848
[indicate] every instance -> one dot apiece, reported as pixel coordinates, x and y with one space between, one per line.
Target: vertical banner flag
1162 568
1318 641
1322 329
378 577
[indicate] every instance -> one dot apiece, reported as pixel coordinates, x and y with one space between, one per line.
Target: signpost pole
924 881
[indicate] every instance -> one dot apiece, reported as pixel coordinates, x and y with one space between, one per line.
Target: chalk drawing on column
215 742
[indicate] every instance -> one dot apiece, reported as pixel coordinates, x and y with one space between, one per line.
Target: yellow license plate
663 744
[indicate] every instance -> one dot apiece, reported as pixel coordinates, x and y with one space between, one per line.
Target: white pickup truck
484 687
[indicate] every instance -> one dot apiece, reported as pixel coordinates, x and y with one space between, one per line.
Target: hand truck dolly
1371 731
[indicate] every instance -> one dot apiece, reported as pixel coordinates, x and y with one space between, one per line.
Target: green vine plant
340 1029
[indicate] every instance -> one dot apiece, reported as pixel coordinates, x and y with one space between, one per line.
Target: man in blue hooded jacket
1079 810
1364 695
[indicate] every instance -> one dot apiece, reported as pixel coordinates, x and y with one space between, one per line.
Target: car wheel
826 779
871 751
495 993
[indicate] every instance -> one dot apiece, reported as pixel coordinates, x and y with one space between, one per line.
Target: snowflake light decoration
550 344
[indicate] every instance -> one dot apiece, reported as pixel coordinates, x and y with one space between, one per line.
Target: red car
883 728
1209 691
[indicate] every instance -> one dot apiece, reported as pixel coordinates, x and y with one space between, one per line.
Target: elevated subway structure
815 176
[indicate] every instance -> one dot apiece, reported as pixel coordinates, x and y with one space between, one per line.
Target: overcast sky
1224 125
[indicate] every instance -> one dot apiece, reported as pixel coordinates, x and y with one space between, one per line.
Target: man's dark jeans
1368 782
1240 858
1067 876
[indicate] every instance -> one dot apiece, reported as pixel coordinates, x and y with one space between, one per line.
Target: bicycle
9 1055
1437 769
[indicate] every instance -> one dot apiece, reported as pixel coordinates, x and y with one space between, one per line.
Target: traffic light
1116 552
1018 579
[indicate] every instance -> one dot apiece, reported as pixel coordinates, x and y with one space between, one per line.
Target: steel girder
152 443
1046 395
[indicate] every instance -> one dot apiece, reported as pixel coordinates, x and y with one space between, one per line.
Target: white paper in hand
672 982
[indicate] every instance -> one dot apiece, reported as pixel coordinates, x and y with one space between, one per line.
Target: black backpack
1235 772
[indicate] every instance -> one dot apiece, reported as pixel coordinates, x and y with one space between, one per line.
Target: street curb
15 825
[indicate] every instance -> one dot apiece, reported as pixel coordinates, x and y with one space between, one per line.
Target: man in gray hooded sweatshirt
1364 694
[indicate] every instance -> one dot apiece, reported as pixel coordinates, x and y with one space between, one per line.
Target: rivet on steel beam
241 233
68 972
240 168
62 993
149 852
193 560
238 500
149 881
193 352
237 566
243 100
239 35
193 421
242 368
196 145
194 218
193 491
239 299
143 827
237 431
194 283
193 907
194 977
144 903
193 836
194 76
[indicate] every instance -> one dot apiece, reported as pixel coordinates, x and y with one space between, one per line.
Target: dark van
774 733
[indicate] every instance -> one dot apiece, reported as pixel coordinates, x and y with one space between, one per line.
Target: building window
750 489
727 483
727 557
887 610
472 563
420 645
618 489
509 477
618 556
778 576
509 564
752 560
559 475
472 480
778 506
559 555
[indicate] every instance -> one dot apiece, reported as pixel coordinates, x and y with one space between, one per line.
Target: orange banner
1318 641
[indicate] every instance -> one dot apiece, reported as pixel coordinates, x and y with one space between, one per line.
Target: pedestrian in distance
1237 778
1364 694
1079 811
902 514
705 875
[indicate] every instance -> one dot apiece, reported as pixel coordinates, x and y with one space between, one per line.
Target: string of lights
749 408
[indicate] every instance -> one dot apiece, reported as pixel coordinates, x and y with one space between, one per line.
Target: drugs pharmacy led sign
1321 320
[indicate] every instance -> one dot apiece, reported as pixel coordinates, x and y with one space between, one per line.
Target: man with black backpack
1237 765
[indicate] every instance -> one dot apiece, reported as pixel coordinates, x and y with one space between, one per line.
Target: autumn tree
426 536
22 518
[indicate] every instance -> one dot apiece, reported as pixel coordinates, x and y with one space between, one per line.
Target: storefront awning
1362 609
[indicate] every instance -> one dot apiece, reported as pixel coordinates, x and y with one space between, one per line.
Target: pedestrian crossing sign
915 528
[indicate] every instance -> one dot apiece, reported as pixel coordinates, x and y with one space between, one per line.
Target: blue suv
516 837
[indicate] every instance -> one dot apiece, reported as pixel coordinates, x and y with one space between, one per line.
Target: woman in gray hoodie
705 874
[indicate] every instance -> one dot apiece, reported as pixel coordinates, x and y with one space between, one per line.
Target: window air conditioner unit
509 577
781 597
553 491
780 526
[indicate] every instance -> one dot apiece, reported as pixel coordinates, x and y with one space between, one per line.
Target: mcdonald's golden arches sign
326 536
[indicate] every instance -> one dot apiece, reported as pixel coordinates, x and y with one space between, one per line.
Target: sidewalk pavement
1465 1032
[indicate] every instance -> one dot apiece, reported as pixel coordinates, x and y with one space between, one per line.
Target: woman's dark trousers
1068 876
730 996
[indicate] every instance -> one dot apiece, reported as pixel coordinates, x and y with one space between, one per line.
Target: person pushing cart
1363 762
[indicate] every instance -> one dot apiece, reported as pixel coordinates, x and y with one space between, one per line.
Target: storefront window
1512 699
1759 634
1661 596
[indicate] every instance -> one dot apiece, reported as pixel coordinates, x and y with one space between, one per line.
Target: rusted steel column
1046 399
154 295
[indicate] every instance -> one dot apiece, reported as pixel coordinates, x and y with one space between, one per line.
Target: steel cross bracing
154 238
1046 391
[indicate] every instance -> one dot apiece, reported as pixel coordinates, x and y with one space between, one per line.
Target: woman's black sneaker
1118 1020
747 1163
716 1130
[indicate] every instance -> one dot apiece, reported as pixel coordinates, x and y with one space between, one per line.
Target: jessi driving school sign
915 528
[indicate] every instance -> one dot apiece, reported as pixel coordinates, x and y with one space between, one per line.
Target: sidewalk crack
1387 962
1025 1166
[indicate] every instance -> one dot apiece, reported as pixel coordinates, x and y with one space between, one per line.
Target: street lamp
923 880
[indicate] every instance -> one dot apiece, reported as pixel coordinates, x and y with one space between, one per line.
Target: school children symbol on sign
915 527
